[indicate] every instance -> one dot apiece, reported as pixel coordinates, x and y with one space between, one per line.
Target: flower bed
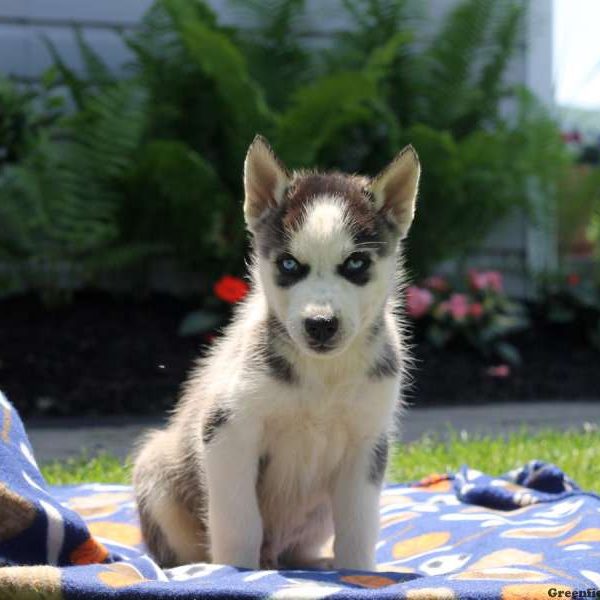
104 354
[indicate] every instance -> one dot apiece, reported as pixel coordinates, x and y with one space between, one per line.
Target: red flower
573 279
231 289
476 310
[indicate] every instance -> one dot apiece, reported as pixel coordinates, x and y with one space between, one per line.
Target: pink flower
571 136
495 281
499 371
476 310
458 306
418 301
485 280
437 283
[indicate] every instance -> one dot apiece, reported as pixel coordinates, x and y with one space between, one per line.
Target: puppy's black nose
321 329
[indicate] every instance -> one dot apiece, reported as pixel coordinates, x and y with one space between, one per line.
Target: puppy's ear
265 180
395 189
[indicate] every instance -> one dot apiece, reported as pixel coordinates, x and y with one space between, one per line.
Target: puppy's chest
308 432
302 449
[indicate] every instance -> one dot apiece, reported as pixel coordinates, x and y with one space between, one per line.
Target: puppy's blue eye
289 265
289 270
356 263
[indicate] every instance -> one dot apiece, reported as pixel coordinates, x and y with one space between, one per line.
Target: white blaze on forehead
324 236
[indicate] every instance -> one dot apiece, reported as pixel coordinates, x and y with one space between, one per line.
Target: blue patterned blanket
529 534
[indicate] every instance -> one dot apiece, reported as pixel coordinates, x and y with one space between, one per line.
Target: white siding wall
23 24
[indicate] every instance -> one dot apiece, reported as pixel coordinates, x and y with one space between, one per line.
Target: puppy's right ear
265 180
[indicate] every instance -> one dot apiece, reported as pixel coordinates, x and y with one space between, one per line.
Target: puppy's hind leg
172 532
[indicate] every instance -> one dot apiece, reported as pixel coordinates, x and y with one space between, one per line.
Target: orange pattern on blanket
500 574
122 533
99 505
435 483
397 499
368 581
585 535
507 558
540 531
120 575
527 591
398 518
90 552
420 544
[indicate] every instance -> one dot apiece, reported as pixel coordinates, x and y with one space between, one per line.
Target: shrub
573 300
151 162
479 314
25 113
579 211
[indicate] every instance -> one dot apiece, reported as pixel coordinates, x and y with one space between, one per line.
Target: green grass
577 453
100 469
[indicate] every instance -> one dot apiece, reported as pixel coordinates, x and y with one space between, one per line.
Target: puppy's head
326 243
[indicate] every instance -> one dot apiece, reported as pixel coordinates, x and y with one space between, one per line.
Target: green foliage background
126 168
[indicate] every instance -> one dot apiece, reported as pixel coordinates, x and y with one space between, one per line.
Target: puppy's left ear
265 180
395 189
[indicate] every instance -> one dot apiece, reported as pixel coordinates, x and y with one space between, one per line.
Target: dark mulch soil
106 355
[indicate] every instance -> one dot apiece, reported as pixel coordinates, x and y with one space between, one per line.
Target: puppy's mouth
328 349
320 348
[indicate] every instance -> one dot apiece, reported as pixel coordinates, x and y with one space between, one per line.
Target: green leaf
221 61
508 353
560 314
199 321
438 336
510 323
383 57
97 71
174 186
121 256
319 111
75 84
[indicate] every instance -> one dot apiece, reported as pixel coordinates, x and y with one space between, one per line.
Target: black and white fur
279 441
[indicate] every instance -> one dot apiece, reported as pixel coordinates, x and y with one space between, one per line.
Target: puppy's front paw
321 564
355 563
268 558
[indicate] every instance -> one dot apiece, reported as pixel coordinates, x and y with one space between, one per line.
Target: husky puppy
280 439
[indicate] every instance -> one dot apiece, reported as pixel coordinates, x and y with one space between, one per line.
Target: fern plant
151 162
275 46
442 91
59 209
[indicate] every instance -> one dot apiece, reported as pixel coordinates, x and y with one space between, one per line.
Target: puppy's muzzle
320 330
